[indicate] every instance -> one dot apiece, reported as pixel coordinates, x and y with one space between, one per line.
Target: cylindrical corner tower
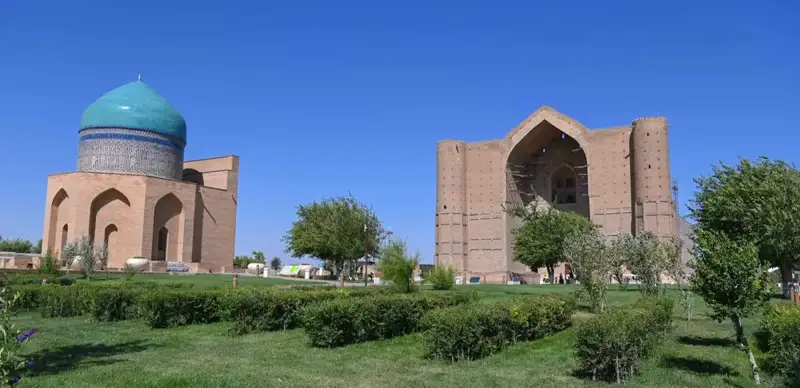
133 130
653 205
451 205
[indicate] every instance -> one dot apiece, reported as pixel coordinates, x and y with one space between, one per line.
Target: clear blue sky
321 98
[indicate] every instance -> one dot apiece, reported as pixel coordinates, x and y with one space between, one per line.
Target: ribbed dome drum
132 129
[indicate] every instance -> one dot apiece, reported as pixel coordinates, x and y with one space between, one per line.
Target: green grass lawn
77 353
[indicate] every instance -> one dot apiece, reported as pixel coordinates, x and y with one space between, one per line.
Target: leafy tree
758 202
258 257
645 256
244 260
37 248
593 259
16 245
675 268
731 280
334 230
82 249
275 263
398 266
540 240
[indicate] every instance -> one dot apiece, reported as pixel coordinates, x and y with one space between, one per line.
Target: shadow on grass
698 366
61 359
701 341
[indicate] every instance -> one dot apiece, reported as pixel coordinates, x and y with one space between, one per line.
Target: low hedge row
165 305
781 324
474 331
614 345
344 321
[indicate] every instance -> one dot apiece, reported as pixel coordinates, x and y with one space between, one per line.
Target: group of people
560 279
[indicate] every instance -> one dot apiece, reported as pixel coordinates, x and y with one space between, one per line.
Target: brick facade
196 217
619 177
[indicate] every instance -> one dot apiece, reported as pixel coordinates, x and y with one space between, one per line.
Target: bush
26 279
344 321
271 309
781 325
48 266
168 308
397 266
57 301
29 296
112 304
614 345
441 277
475 331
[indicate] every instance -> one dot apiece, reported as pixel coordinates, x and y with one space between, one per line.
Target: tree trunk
745 346
786 278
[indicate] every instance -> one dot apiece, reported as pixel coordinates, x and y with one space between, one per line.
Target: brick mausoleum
619 177
133 191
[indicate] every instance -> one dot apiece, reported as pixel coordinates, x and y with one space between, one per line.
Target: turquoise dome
135 106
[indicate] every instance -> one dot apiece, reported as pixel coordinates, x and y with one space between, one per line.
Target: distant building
619 177
133 191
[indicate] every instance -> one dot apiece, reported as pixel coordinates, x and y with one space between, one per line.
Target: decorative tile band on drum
130 151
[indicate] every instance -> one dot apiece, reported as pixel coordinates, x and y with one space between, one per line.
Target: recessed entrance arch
59 217
547 167
107 224
168 228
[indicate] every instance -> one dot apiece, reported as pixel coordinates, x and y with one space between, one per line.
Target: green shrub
398 266
441 277
57 301
614 345
475 331
781 325
30 296
48 265
112 304
161 308
344 321
129 271
271 309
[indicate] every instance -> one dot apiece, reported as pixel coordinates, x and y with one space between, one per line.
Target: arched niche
111 242
542 159
167 228
108 221
59 219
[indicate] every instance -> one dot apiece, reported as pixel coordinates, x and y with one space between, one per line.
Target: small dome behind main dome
135 106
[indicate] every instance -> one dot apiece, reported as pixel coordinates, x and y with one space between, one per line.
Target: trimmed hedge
161 308
475 331
344 321
614 345
268 309
781 325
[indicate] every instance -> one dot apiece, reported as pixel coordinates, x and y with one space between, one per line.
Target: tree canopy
732 281
335 230
19 245
754 201
540 240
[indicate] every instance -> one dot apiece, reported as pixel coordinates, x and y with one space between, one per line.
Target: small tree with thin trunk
645 256
593 259
731 280
275 263
101 252
398 266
